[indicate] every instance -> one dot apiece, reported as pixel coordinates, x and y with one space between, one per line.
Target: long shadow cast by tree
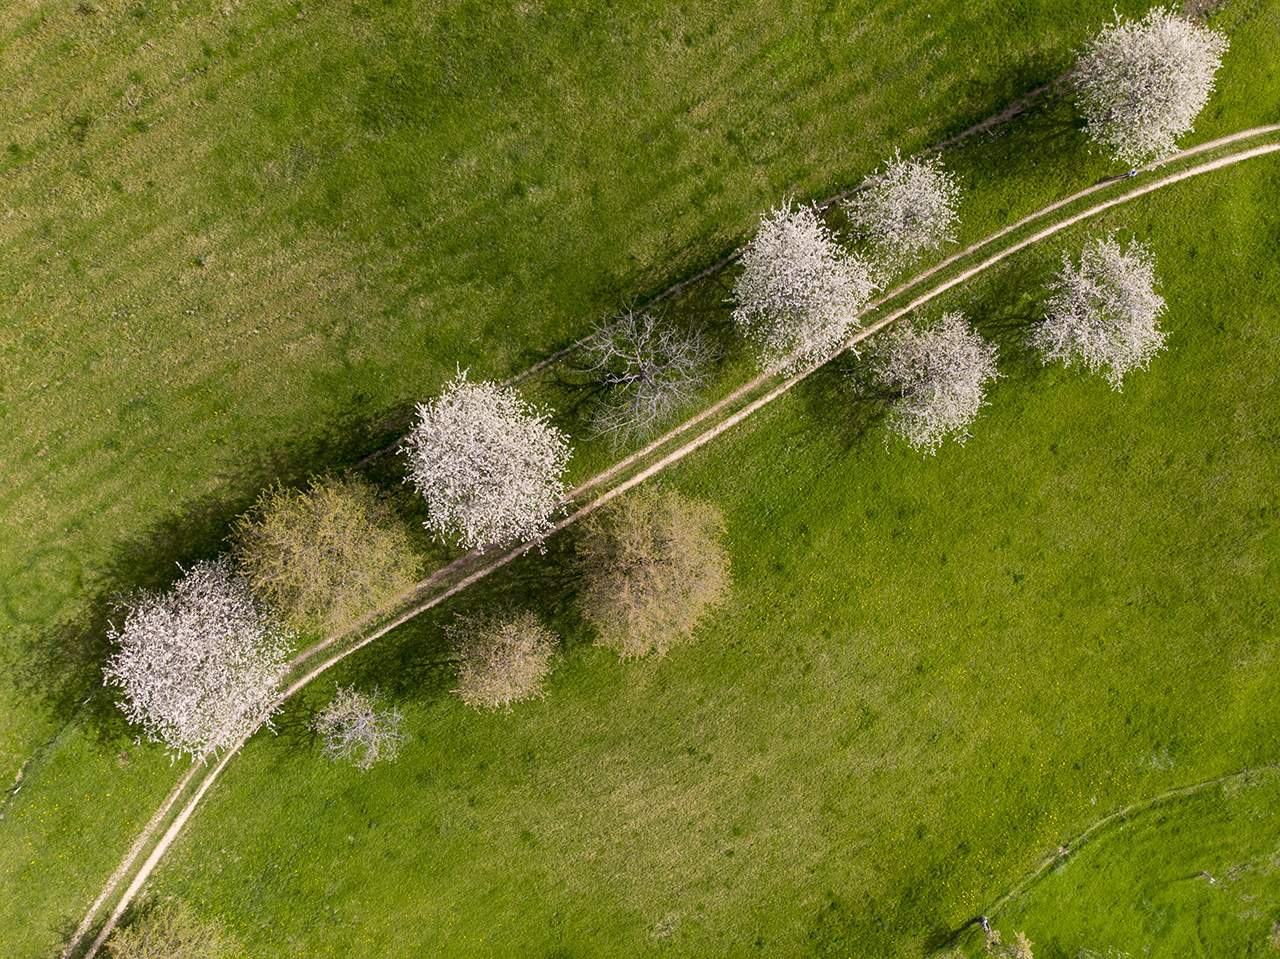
414 662
1013 153
843 400
1006 305
59 663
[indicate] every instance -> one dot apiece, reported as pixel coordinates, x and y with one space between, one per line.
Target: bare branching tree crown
652 564
353 729
198 665
326 556
799 293
172 930
648 369
1104 313
910 207
503 657
941 370
1141 84
489 465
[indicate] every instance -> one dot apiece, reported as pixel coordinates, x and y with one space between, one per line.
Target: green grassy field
936 670
1211 891
847 783
230 255
241 240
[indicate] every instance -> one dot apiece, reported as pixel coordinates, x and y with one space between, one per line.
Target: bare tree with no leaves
356 731
649 369
652 564
1103 314
326 556
490 466
502 657
198 665
941 371
909 208
799 293
1141 84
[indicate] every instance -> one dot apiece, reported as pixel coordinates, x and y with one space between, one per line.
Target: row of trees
1102 313
197 664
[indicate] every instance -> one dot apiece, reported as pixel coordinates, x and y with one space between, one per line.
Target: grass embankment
936 671
1193 875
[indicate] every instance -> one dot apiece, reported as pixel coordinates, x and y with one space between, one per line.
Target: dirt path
486 568
1071 845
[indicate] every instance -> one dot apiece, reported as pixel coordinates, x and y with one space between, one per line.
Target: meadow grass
232 253
935 671
242 239
71 851
1192 876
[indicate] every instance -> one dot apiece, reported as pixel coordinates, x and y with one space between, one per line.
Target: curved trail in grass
1075 842
646 462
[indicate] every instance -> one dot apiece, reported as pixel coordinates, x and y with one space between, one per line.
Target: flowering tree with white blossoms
909 208
489 465
799 293
1140 84
1103 314
198 665
353 729
648 369
941 370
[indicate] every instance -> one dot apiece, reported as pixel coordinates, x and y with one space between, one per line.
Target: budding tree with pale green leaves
1019 948
1103 314
1141 84
490 465
173 930
909 208
325 556
502 657
799 293
940 370
198 665
653 563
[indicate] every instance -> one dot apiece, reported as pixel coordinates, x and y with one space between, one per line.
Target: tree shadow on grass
59 663
1044 139
844 400
414 662
1007 305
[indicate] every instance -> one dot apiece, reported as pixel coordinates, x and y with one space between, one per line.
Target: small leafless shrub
354 730
649 369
